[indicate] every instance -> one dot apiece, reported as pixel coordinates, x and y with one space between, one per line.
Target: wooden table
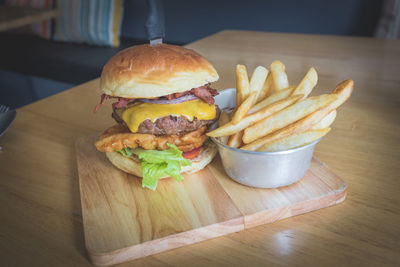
14 17
40 215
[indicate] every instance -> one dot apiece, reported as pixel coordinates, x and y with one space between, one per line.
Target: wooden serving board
122 221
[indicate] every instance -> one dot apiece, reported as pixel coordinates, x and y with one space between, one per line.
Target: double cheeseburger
163 107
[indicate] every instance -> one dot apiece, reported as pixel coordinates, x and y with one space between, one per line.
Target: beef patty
169 125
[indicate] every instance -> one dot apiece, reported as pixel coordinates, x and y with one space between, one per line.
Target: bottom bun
133 166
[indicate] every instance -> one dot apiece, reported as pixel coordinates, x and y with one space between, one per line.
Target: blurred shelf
14 17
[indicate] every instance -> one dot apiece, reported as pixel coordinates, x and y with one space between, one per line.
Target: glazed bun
146 71
132 166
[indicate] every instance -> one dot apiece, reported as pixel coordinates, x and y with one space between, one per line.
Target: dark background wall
32 68
190 20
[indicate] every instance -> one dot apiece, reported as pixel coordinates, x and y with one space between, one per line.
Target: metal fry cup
266 169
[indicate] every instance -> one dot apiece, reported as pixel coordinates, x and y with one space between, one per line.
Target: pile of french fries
271 115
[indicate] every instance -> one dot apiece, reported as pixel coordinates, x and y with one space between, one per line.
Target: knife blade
155 24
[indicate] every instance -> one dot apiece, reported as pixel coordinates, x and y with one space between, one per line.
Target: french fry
307 84
279 77
270 115
235 140
272 98
242 95
266 89
242 84
343 91
326 121
258 79
242 110
223 120
294 141
286 116
230 128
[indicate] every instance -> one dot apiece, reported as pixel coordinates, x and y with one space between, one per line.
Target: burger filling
163 133
205 93
168 125
161 119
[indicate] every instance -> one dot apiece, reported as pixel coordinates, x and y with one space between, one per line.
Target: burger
163 107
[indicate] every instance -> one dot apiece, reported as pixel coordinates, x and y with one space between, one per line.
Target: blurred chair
389 24
96 22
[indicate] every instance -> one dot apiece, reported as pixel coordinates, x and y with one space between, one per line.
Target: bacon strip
204 92
122 102
204 95
103 99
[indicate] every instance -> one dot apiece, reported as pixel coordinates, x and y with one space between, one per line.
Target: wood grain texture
319 188
41 217
122 221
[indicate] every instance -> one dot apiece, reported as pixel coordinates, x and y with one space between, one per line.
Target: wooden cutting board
122 221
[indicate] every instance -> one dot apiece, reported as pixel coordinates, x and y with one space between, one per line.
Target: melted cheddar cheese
136 114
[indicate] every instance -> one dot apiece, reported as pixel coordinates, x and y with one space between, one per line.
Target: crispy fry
279 116
307 84
235 140
230 128
242 110
326 121
242 84
343 91
284 93
258 79
266 89
286 116
280 79
244 101
223 119
294 141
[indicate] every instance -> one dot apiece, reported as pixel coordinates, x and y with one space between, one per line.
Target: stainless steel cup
266 169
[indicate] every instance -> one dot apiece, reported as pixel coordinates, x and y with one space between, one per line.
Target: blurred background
61 43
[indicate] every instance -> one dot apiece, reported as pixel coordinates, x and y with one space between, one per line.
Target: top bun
146 71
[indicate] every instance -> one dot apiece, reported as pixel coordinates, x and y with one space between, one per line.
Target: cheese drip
136 114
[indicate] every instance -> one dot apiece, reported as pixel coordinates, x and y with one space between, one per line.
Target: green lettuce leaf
126 152
156 164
